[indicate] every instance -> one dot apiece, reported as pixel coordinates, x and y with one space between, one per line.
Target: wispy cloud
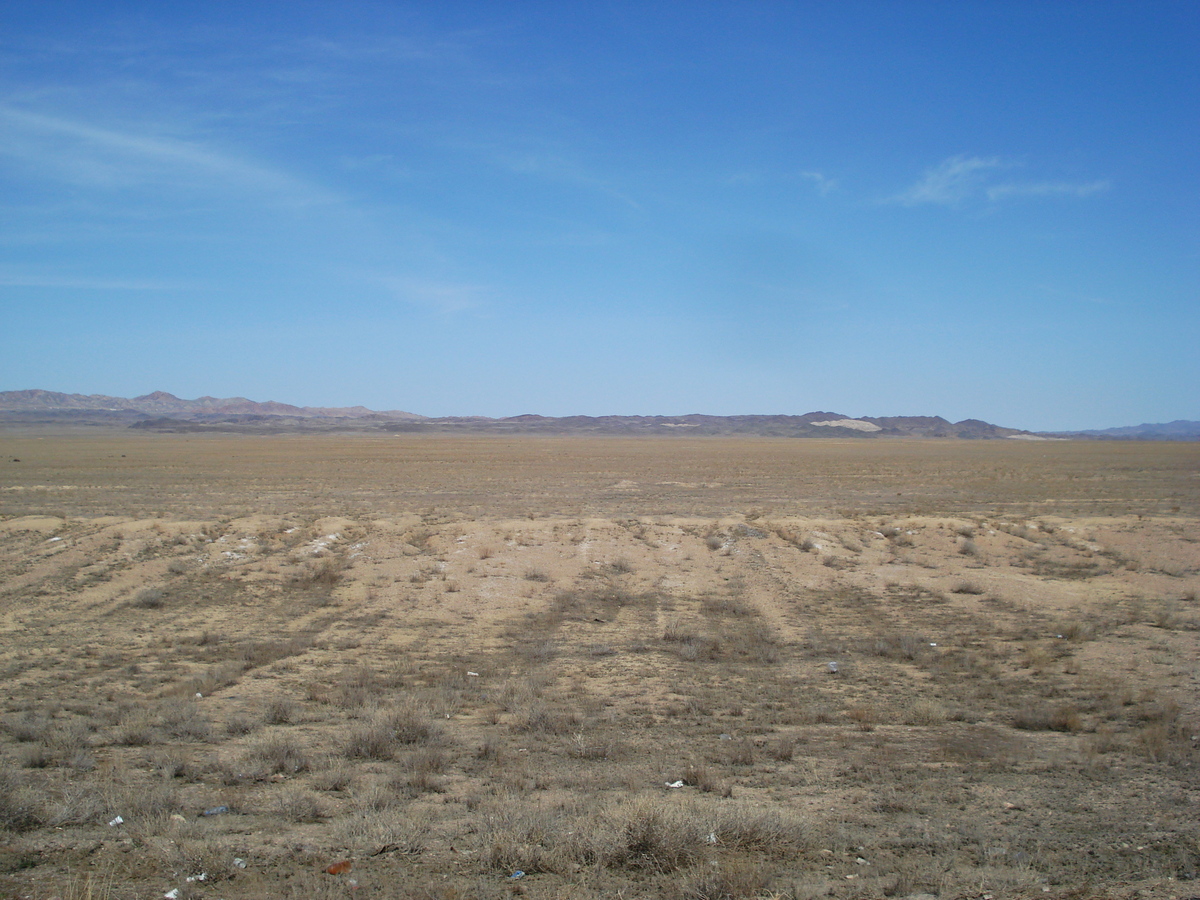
950 182
1074 296
1047 189
564 171
961 179
441 296
92 156
90 283
822 183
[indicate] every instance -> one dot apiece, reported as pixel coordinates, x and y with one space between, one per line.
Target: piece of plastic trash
515 875
199 696
473 674
203 876
339 868
832 667
674 784
172 894
726 737
115 822
215 811
239 862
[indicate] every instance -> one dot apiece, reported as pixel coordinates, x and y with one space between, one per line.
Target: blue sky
983 210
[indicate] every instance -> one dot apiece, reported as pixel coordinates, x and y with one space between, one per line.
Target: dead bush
149 598
279 711
19 810
276 754
387 730
297 806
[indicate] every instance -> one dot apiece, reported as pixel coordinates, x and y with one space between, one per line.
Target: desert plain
416 666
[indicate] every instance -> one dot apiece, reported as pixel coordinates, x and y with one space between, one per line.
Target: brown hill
161 411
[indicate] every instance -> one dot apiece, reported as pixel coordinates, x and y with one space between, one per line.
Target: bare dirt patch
329 667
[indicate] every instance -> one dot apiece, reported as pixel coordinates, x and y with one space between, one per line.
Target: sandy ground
446 661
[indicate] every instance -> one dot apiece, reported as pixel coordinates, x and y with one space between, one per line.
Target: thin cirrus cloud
440 296
1047 189
90 283
104 158
821 183
963 179
951 182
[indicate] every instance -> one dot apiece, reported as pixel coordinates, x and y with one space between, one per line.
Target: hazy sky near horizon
968 209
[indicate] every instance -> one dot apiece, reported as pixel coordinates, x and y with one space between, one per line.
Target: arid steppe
350 666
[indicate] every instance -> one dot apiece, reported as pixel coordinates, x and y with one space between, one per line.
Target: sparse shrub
18 809
185 721
490 750
381 735
29 727
149 598
424 767
645 834
298 806
583 748
240 724
740 753
968 548
751 828
966 587
326 571
714 542
733 607
864 716
139 731
1061 718
334 778
900 646
698 775
1077 630
279 711
689 646
36 756
79 803
781 750
755 642
536 575
276 754
924 712
538 650
539 718
731 879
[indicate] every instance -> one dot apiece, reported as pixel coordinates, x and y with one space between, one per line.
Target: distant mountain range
160 403
1179 430
165 412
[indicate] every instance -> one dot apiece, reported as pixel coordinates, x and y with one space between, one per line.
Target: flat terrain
317 667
